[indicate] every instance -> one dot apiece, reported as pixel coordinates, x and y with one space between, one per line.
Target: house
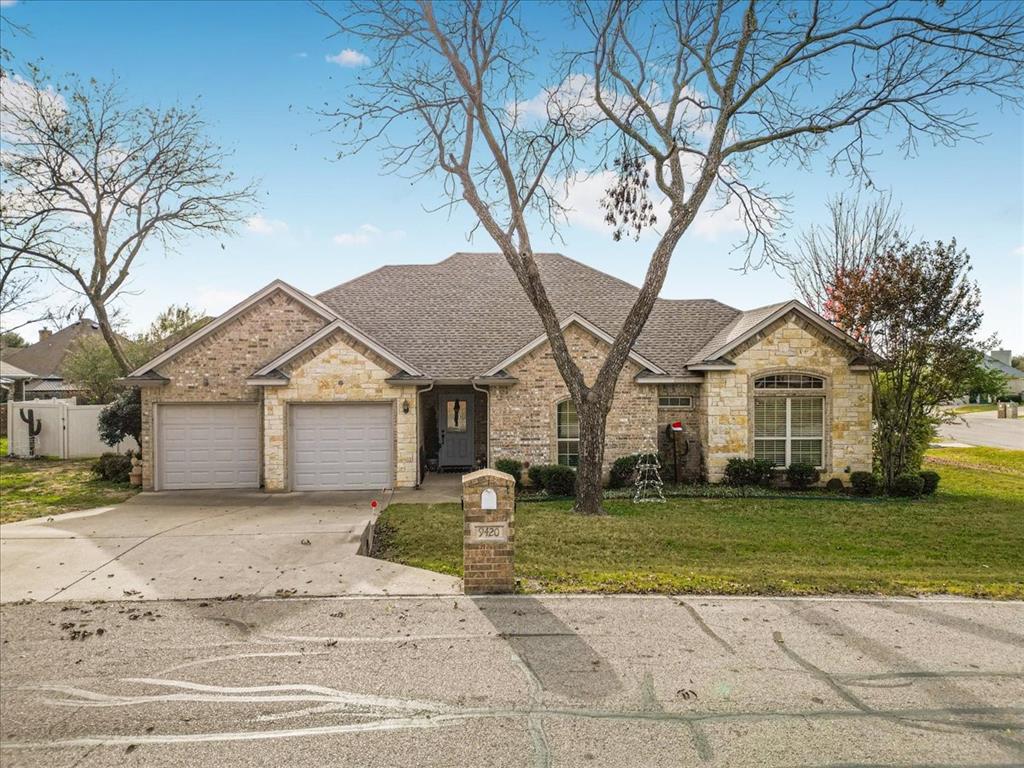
13 380
44 360
407 369
1001 360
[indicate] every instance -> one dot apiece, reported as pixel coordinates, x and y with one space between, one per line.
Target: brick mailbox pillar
488 504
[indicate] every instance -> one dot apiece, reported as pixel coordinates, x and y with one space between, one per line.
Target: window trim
789 438
816 383
825 392
559 439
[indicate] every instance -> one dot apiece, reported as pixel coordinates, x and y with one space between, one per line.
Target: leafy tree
1017 361
918 310
12 340
122 418
684 103
986 382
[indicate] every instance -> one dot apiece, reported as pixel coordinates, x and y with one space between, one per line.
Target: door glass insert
456 416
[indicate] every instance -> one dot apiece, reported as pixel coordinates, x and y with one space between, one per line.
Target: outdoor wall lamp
405 406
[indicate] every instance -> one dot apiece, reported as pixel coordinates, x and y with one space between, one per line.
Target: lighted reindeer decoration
35 426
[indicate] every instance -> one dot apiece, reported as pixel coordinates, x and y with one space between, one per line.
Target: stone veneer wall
339 369
692 418
215 368
791 344
523 415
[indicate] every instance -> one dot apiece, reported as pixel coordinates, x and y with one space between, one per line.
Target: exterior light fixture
405 406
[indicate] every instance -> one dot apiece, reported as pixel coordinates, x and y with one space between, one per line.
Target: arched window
567 432
789 425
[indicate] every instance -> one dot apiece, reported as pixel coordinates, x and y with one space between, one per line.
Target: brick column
488 503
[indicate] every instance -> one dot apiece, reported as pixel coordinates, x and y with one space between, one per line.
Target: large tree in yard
690 103
90 181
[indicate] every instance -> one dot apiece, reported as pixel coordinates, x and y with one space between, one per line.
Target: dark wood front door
455 430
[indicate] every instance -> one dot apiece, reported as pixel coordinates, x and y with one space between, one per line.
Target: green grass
967 540
975 407
41 487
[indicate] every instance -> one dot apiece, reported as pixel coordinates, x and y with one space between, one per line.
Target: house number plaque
479 532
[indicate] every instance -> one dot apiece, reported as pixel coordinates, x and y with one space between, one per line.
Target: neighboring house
409 368
1000 360
13 380
45 361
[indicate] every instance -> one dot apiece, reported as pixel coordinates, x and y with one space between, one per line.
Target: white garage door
341 447
208 446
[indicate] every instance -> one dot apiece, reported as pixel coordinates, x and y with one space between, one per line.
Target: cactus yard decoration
35 426
648 477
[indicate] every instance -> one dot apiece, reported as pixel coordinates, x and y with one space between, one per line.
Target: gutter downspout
486 392
419 419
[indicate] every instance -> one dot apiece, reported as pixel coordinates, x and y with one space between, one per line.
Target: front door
455 430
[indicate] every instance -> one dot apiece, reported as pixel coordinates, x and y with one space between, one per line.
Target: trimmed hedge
748 472
535 474
865 483
801 475
560 480
907 485
835 485
621 474
115 467
931 481
510 467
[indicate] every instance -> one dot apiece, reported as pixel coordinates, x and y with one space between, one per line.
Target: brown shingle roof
46 358
463 315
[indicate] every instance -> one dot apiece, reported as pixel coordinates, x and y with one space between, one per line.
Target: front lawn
967 540
975 407
42 487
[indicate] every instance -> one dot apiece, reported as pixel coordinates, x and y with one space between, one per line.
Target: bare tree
856 233
89 181
701 95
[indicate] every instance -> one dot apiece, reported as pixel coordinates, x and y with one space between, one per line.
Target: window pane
772 450
770 417
675 401
807 452
568 452
807 416
568 433
456 421
789 381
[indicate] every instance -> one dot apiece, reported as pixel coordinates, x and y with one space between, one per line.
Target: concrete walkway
205 544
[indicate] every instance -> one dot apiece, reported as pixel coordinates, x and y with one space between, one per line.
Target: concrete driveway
985 429
204 544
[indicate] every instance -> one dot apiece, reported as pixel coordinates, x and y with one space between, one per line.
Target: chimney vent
44 334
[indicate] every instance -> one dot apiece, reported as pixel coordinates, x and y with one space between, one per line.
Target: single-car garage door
341 447
208 446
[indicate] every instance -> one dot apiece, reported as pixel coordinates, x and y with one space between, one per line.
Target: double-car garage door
336 446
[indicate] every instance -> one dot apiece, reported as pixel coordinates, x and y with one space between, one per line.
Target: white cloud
349 58
366 234
301 55
263 226
1019 250
216 301
7 3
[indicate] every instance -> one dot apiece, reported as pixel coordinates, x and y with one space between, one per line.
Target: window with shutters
790 429
568 433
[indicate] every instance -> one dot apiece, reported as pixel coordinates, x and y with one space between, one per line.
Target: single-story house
409 369
1002 360
44 360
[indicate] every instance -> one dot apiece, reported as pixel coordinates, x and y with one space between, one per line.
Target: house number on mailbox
491 532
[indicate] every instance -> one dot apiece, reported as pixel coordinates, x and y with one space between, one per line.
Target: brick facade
790 344
523 415
215 368
488 566
339 369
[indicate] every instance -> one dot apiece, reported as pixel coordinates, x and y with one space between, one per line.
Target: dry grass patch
41 487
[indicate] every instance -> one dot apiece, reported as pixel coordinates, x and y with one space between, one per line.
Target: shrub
535 474
748 472
511 467
931 481
907 485
801 475
864 483
621 474
560 480
115 467
122 418
835 485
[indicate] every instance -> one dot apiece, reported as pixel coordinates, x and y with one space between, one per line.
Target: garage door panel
341 446
208 446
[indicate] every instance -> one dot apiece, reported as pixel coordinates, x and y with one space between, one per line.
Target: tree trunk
111 338
593 416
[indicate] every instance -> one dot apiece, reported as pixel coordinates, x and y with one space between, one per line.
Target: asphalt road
985 429
524 681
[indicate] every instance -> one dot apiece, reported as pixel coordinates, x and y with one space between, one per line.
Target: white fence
68 431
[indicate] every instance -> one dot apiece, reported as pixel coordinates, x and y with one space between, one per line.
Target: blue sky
260 69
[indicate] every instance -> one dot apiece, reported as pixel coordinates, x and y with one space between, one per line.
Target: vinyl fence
68 431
